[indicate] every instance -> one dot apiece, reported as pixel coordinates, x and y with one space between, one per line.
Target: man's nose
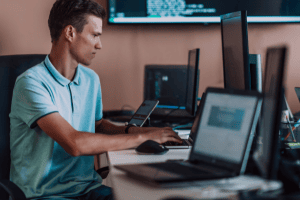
98 44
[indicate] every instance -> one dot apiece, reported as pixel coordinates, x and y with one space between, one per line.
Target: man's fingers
173 134
173 139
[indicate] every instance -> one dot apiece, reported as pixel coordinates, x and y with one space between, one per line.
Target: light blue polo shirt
39 165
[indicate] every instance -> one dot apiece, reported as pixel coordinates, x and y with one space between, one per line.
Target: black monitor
236 67
192 82
266 154
166 83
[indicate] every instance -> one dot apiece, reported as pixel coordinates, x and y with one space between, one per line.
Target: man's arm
106 127
78 143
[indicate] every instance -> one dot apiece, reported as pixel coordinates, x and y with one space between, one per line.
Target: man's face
86 43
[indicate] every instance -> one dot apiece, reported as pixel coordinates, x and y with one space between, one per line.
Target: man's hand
151 129
147 129
162 135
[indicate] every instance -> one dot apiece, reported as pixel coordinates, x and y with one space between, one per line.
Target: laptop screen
225 126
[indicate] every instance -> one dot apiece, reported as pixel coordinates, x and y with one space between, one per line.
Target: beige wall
127 48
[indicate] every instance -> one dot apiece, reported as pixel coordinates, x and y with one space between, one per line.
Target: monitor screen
206 11
192 81
267 149
236 67
166 83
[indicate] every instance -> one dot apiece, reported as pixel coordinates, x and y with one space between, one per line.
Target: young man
57 108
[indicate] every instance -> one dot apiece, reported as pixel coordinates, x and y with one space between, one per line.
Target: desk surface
125 187
130 156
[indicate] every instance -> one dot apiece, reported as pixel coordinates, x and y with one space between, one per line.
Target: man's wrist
128 127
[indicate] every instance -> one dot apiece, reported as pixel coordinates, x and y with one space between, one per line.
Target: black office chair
10 68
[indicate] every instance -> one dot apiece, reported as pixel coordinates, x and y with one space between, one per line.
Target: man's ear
69 33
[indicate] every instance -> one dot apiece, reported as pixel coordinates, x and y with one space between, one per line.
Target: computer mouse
152 148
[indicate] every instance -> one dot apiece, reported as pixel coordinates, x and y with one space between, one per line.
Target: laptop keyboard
184 143
178 168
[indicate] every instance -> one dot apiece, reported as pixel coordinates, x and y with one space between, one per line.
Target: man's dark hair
72 12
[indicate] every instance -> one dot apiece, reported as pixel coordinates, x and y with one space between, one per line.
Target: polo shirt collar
76 78
60 78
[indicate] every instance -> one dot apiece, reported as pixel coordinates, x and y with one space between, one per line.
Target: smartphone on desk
143 112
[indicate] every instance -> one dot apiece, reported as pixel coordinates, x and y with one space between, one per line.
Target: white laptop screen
225 126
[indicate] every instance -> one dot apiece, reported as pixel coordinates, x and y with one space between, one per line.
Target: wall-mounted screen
201 11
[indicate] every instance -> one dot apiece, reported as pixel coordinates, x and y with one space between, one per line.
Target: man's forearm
93 144
109 128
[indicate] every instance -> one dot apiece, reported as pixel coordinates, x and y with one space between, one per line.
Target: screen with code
201 11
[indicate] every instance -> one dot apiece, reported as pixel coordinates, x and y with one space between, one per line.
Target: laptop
188 143
221 146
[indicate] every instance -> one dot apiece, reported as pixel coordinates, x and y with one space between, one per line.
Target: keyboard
293 145
178 168
184 143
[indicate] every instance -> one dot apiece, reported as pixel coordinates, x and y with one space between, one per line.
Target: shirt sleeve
32 100
99 106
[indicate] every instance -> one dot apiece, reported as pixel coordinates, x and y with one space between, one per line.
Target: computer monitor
192 81
166 83
235 51
266 154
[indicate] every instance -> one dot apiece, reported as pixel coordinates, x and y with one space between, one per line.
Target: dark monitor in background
166 83
192 81
235 51
266 154
255 72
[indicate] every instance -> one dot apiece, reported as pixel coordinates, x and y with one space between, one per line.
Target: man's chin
86 63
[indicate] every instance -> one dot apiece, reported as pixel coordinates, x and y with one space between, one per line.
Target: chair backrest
10 68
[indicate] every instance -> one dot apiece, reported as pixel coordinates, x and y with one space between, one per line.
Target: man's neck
63 62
